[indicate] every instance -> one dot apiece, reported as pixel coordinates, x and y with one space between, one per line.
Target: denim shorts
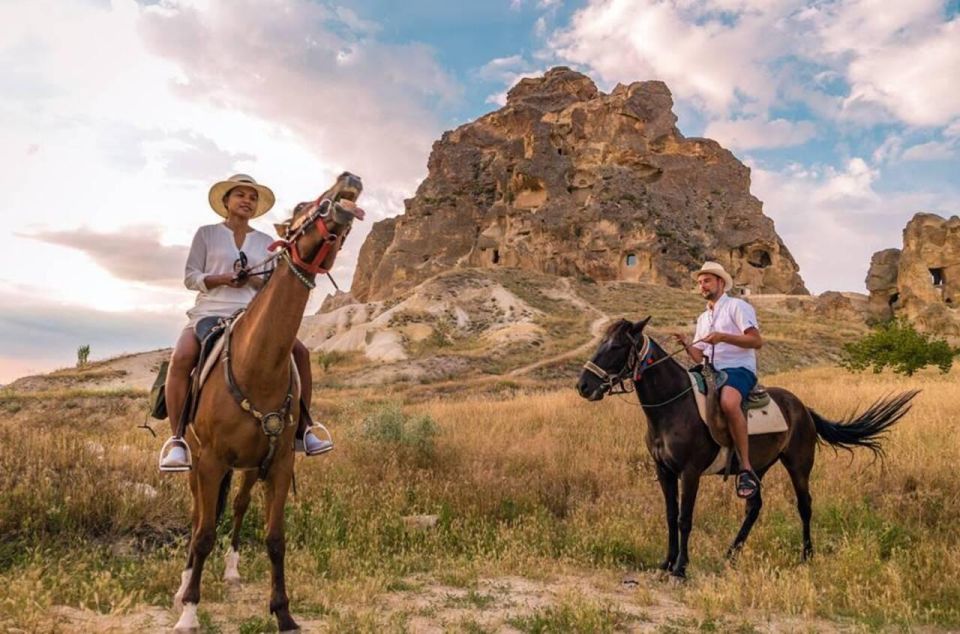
740 379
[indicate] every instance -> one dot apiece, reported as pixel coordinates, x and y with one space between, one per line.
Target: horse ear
640 325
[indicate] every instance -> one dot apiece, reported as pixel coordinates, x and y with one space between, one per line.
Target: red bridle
316 217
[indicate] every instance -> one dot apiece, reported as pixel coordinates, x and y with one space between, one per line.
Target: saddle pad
765 420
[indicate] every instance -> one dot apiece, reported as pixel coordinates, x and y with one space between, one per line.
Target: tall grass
526 485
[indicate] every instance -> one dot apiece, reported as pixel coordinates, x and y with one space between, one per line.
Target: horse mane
616 328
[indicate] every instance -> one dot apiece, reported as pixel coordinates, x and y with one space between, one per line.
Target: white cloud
834 220
758 132
744 56
931 151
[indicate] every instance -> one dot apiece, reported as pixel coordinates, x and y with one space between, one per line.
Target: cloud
931 151
38 336
758 132
134 254
834 219
367 105
849 60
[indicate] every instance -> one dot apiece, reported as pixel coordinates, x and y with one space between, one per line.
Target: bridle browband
639 360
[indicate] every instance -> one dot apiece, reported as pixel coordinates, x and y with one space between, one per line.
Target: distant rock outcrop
567 180
922 281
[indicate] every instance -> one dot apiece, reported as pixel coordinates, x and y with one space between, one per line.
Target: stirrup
324 437
174 441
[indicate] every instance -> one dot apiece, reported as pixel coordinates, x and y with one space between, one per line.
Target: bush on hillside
897 344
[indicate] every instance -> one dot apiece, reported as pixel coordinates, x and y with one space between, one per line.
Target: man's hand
715 337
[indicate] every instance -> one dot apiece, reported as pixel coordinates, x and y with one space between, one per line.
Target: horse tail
868 429
224 492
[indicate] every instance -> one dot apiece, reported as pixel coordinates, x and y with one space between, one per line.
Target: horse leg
689 485
668 484
194 522
209 476
277 485
231 573
753 507
799 471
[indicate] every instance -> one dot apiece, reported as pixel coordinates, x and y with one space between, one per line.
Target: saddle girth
272 423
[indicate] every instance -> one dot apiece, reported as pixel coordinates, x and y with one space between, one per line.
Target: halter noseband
639 359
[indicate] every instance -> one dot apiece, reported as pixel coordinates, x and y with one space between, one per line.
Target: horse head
317 229
614 361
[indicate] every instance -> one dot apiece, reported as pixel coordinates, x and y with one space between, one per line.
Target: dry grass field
540 505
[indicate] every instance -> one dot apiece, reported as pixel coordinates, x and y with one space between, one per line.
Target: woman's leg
302 356
184 357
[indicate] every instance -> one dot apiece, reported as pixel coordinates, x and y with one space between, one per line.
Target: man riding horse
728 336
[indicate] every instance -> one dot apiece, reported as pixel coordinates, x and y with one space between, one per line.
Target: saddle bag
157 401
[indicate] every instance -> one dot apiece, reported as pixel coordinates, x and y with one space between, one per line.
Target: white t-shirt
214 252
732 316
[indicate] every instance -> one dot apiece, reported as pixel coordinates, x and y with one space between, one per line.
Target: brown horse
245 417
683 448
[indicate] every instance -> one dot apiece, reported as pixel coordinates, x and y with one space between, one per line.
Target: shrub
83 353
327 359
898 345
414 436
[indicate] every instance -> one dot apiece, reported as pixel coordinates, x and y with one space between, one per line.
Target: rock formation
567 180
922 281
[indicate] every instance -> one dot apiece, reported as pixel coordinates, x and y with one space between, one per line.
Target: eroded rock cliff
567 180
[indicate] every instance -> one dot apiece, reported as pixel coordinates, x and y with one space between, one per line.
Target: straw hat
219 190
715 268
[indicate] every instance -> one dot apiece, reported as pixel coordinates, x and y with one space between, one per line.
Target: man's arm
695 353
749 339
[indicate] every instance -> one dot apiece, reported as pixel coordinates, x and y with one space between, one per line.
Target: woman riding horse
217 269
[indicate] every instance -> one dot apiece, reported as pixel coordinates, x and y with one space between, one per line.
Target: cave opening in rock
496 256
893 299
759 259
631 259
937 275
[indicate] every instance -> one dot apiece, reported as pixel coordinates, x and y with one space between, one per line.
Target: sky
116 116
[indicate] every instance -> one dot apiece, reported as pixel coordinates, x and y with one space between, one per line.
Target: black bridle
640 358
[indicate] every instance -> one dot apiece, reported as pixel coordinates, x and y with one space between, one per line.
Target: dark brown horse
245 418
682 447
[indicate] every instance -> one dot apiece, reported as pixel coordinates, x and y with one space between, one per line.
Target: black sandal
748 484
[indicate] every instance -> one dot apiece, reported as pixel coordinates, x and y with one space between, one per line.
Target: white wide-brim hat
219 191
715 268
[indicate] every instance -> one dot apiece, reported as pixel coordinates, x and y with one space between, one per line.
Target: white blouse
214 252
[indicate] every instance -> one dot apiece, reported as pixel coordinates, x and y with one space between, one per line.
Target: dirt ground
638 603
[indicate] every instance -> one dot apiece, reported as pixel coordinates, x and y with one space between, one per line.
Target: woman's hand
225 279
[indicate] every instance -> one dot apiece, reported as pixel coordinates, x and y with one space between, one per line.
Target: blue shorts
740 379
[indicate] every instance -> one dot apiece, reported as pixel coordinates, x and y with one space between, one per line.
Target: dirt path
596 331
573 601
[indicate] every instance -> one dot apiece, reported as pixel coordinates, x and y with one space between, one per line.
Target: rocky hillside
566 180
921 281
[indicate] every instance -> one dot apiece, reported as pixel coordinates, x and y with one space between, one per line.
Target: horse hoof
678 577
188 623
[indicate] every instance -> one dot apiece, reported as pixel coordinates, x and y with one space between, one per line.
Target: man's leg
730 401
184 357
748 484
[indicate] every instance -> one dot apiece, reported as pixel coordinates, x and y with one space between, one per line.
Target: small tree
83 353
898 345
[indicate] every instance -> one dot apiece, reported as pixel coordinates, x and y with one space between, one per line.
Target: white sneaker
175 455
311 445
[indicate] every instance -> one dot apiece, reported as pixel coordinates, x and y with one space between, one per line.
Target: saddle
762 412
209 331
